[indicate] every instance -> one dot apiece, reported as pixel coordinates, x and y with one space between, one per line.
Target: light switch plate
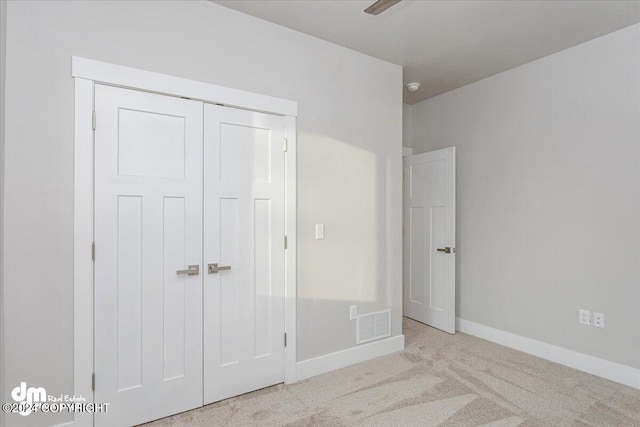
319 231
584 317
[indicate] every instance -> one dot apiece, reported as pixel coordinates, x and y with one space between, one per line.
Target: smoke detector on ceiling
412 87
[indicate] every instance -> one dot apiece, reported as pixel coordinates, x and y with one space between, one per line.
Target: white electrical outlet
353 312
584 317
319 231
598 320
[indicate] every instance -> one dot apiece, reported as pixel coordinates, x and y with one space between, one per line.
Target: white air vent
373 326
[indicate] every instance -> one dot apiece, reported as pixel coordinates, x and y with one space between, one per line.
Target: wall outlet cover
584 317
598 320
353 312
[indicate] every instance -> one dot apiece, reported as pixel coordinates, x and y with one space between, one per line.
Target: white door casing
148 225
244 230
88 75
429 238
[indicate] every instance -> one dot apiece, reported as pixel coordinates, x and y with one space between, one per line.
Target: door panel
129 321
230 285
148 225
173 249
416 255
244 229
263 316
161 153
151 220
429 225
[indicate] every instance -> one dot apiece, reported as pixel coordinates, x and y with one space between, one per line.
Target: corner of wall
3 54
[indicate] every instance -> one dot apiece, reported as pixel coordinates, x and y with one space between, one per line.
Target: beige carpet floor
439 380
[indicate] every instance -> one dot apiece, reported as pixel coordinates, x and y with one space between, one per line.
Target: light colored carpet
439 380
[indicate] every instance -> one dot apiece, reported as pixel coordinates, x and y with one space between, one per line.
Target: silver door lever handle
194 270
447 250
213 268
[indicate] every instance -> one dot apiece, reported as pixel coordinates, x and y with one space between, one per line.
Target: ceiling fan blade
380 6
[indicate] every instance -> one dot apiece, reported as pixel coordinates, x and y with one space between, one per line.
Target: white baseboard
340 359
602 368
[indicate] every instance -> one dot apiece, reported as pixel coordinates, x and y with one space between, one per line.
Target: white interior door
148 225
429 238
244 235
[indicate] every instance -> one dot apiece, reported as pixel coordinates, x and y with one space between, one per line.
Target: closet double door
189 253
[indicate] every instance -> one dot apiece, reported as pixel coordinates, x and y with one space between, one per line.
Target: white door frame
87 73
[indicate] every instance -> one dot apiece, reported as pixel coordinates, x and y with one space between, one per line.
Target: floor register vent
373 326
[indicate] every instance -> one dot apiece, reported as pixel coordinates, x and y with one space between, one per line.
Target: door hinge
285 339
286 144
93 381
93 120
285 242
93 251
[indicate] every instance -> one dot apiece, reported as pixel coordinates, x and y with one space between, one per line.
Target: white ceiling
447 44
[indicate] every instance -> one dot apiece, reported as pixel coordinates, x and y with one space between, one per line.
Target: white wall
548 195
407 126
349 165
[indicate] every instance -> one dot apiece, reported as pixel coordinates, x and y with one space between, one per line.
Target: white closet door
148 225
244 230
